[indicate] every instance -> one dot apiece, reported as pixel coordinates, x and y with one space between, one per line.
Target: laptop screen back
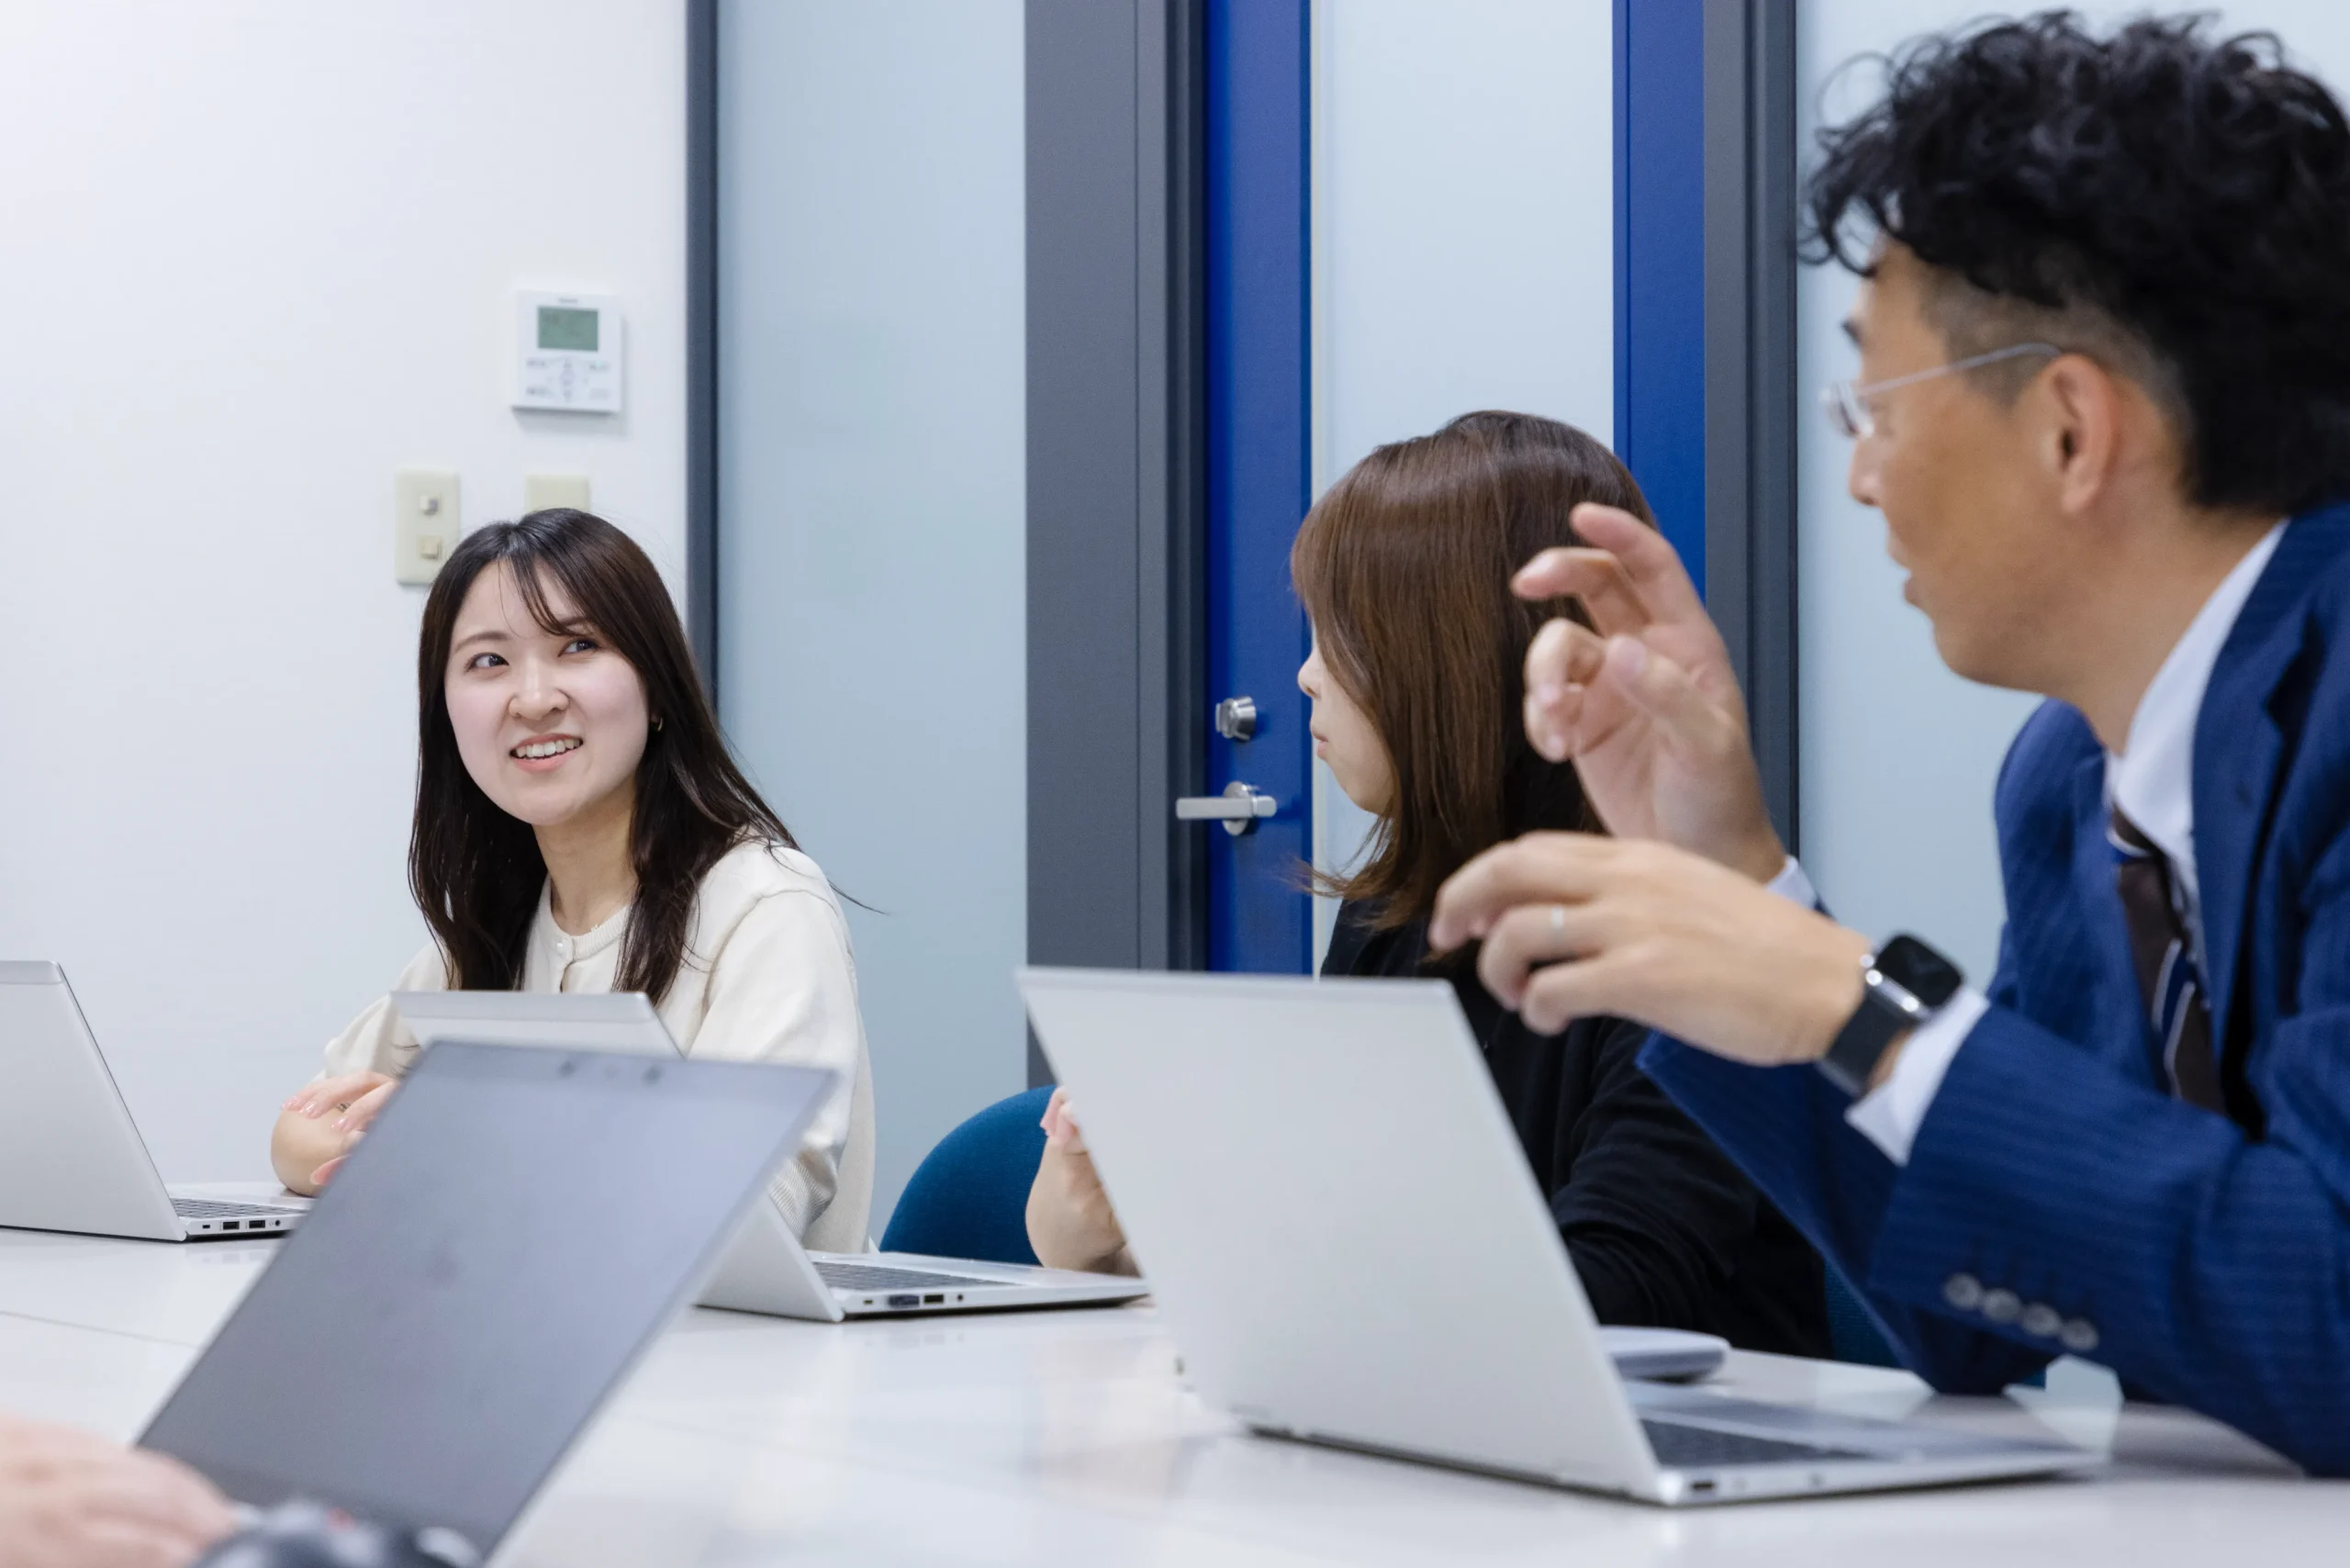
516 1226
578 1021
1368 1259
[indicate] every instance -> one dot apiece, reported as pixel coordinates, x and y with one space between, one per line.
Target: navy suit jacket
2211 1259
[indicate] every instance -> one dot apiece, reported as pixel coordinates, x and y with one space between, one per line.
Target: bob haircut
475 870
1405 566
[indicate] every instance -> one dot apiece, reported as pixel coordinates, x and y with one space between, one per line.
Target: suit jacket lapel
2237 742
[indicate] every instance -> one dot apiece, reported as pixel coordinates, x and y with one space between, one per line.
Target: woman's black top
1664 1231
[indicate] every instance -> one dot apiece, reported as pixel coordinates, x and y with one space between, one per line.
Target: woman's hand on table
353 1101
1071 1221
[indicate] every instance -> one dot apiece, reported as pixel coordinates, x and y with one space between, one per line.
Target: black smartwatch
1903 984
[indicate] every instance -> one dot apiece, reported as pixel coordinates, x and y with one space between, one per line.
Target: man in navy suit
2104 407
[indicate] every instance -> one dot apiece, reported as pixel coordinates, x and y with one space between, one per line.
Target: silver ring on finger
1562 950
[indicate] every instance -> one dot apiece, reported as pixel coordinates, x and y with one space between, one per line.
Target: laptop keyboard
1702 1448
204 1208
879 1277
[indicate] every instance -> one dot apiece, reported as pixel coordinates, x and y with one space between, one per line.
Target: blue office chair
969 1197
1852 1332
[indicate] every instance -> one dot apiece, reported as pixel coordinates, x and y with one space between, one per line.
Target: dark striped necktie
2177 1010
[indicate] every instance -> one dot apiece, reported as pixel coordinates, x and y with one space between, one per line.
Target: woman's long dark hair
475 870
1405 566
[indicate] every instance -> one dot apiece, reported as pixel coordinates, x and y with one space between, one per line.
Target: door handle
1237 808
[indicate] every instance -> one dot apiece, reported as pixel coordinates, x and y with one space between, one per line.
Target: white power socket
541 491
424 523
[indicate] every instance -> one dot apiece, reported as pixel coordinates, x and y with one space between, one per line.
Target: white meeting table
1068 1437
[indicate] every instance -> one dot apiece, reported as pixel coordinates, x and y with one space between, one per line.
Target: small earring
656 722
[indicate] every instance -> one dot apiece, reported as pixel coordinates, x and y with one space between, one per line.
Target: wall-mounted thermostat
568 352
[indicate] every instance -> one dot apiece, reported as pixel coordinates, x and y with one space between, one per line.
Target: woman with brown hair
580 827
1403 567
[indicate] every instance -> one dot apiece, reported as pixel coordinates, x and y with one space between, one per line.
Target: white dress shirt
768 976
2152 780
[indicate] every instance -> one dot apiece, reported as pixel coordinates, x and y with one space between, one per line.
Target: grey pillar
1116 706
1750 396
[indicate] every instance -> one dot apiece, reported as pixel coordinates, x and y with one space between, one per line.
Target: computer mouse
304 1535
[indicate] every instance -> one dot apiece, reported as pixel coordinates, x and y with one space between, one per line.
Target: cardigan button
2001 1306
2041 1320
1964 1291
2079 1336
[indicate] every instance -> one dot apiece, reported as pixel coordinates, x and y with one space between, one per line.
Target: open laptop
1350 1248
766 1270
516 1229
70 1158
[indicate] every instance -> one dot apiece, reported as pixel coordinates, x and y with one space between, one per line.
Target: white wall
1898 755
1463 236
260 255
873 615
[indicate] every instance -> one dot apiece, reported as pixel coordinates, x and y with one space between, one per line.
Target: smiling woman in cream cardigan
580 827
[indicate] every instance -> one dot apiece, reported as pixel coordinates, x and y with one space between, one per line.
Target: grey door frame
701 339
1751 396
1117 703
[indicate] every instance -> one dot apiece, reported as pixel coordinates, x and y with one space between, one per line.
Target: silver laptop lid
578 1021
1339 1224
70 1158
516 1229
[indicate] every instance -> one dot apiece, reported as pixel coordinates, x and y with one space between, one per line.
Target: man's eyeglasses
1847 403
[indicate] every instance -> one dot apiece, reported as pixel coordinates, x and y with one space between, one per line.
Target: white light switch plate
424 523
541 491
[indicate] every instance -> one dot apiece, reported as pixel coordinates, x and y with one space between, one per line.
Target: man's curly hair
2174 204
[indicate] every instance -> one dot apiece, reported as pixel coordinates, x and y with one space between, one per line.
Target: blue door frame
1258 398
1661 263
1259 435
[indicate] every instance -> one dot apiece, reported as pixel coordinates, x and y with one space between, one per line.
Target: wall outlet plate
424 523
541 491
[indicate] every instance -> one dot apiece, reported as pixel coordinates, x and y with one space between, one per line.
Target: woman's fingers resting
325 1173
1070 1222
315 1099
1060 1123
365 1109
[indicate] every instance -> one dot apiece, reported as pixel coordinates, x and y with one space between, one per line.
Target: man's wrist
1903 987
1841 990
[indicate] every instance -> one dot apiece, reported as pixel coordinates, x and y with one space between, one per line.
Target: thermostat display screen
563 327
568 351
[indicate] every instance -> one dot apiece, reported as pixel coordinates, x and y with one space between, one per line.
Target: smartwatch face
1919 970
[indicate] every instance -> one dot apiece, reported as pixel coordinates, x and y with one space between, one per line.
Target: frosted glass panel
872 611
1463 236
